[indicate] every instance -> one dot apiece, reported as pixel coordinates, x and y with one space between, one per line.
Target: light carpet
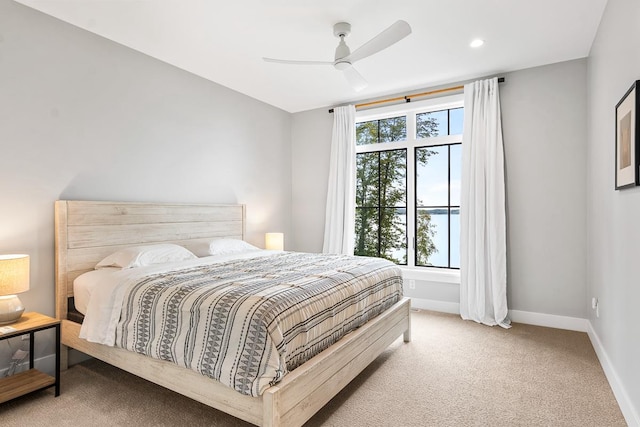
453 373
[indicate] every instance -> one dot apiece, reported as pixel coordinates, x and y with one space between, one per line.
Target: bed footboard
294 400
305 390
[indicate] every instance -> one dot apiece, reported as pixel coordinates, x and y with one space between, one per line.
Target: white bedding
84 285
99 293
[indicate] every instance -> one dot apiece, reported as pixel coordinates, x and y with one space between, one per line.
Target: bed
88 231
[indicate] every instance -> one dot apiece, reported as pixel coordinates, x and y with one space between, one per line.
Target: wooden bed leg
407 334
270 410
64 357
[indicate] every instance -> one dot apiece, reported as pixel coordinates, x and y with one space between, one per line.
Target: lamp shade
14 274
274 241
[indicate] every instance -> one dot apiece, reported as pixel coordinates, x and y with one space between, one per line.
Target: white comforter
99 293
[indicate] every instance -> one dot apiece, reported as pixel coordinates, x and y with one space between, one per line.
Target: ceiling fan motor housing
342 29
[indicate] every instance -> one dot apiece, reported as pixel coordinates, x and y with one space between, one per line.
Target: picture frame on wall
628 139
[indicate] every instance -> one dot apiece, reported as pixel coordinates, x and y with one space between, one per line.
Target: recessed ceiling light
477 43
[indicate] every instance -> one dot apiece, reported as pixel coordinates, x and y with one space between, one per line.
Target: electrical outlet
412 284
595 304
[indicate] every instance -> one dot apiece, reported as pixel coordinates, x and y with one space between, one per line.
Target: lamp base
10 309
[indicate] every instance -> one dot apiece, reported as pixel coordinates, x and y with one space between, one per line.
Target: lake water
439 259
439 221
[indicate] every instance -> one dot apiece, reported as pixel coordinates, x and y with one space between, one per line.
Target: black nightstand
31 380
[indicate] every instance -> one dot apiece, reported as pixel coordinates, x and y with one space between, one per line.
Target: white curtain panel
483 248
341 200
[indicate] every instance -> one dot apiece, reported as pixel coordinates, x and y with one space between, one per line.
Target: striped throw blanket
246 323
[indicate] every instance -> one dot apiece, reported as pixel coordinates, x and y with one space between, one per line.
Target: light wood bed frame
87 231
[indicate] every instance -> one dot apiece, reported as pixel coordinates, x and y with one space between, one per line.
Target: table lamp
274 241
14 278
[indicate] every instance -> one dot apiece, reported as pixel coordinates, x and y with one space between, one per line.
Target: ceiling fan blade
286 61
391 35
355 79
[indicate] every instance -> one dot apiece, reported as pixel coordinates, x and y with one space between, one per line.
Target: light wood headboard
88 231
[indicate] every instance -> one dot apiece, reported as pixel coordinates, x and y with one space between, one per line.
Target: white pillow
209 247
139 256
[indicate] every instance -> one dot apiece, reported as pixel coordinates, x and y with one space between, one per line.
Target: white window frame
411 109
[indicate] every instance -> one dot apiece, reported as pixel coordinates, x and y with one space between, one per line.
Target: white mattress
84 285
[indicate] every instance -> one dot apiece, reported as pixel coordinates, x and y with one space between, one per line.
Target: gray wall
544 112
613 269
544 124
310 152
85 118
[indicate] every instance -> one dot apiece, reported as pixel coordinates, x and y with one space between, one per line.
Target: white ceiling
225 41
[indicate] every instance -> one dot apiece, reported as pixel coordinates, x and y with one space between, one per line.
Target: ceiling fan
344 58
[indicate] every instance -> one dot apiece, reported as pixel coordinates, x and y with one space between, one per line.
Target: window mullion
379 207
449 206
411 189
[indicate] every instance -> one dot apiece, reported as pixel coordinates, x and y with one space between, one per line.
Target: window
408 165
381 205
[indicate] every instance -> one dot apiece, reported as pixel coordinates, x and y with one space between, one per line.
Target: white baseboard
629 412
527 317
433 305
549 320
